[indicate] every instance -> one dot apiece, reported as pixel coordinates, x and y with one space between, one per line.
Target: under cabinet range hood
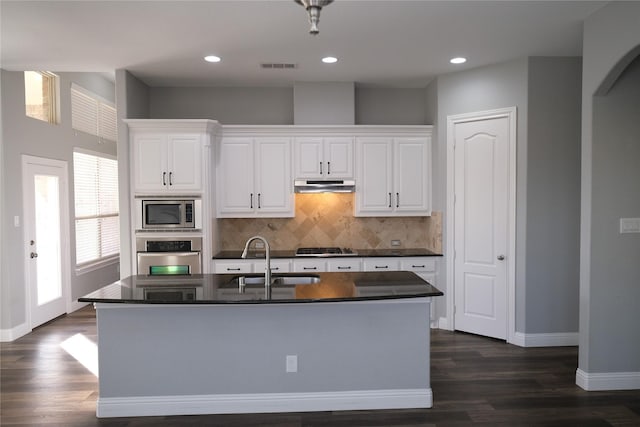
324 186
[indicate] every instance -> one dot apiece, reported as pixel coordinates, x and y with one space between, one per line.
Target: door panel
481 226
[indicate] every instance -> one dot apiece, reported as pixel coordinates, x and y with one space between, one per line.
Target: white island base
188 359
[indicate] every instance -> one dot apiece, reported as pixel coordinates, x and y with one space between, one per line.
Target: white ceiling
379 43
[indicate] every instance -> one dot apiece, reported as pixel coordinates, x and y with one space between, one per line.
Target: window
92 114
40 95
96 203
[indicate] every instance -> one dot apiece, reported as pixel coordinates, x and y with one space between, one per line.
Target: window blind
96 208
92 114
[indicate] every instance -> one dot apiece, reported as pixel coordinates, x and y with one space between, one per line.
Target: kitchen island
178 345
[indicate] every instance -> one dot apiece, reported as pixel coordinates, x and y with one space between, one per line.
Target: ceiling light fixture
329 59
212 58
458 60
313 8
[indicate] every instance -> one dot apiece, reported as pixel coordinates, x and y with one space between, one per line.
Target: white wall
24 135
609 268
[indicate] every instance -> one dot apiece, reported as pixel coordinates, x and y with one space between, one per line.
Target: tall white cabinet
175 158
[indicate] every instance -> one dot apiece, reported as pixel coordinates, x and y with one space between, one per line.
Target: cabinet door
235 195
273 184
338 156
185 162
374 169
308 157
412 176
149 165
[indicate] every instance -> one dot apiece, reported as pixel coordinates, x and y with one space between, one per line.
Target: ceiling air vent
278 66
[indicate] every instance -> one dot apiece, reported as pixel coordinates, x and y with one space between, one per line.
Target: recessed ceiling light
458 60
212 58
329 59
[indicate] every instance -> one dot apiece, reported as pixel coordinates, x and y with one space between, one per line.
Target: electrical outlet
395 243
259 245
292 363
629 225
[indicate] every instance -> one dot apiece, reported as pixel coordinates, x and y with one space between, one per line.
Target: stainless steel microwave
168 214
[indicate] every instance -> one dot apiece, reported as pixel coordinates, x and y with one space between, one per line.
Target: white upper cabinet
167 162
393 176
254 178
323 157
168 156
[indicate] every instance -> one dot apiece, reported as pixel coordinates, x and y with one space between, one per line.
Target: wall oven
169 255
167 214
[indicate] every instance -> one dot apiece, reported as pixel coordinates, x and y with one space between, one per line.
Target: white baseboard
12 334
556 339
443 323
608 380
76 305
263 402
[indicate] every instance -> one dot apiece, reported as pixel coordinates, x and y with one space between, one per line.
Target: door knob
34 255
500 257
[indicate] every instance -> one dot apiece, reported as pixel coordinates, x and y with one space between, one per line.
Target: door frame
510 114
65 257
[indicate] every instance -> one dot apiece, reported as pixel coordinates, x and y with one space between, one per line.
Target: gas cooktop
330 251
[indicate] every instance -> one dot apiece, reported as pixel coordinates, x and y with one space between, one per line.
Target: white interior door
481 225
46 235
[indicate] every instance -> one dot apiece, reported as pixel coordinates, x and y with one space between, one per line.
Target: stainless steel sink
277 280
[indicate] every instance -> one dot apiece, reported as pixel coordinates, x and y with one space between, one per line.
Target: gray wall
132 102
228 105
487 88
391 106
24 135
546 94
553 195
615 272
275 106
609 268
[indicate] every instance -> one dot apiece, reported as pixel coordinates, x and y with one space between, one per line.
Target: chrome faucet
267 265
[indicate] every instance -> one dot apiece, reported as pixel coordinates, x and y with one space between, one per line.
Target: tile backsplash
327 220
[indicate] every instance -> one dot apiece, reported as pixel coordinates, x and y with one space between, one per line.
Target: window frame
53 114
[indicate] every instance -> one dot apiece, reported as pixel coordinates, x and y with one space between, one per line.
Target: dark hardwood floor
476 381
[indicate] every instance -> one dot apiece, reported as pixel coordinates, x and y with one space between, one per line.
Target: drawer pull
275 268
382 266
344 268
233 269
309 268
417 266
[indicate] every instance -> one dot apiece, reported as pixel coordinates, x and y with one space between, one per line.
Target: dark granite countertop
224 288
364 253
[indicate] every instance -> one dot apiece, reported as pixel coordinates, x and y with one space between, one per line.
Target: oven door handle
160 254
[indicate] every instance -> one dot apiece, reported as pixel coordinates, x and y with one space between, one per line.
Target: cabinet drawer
343 265
277 266
309 266
381 264
233 267
418 264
